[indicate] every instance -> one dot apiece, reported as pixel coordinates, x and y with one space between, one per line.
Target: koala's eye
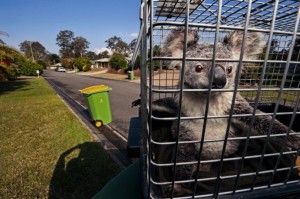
198 68
229 69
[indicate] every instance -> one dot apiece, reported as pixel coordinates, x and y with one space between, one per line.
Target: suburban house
100 63
54 66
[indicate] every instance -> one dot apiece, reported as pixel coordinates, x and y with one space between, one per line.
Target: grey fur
194 103
262 124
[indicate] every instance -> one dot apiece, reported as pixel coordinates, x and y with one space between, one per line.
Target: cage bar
270 85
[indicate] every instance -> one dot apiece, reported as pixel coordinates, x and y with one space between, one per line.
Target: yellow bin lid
95 89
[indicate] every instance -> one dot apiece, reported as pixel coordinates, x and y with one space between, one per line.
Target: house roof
102 60
55 65
107 60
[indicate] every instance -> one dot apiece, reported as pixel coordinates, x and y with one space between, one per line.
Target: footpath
162 78
105 74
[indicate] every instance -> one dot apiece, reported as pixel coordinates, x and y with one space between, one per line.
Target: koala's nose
219 79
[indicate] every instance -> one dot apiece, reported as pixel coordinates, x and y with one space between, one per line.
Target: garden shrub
28 68
67 62
13 64
4 76
251 74
118 61
82 63
42 63
8 70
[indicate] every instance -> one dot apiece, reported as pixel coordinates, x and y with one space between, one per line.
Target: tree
26 48
104 54
137 63
79 46
132 45
116 44
1 41
13 63
29 68
156 50
296 50
34 50
71 46
8 69
82 63
64 40
67 62
42 63
53 58
91 55
118 61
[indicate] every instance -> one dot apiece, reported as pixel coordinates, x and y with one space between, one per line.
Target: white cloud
100 50
134 34
128 34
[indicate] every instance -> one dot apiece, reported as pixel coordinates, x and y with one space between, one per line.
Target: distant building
54 66
101 63
104 63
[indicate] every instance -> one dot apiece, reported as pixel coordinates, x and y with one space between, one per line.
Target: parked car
61 69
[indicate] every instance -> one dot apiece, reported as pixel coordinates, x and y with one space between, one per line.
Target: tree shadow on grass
81 176
10 86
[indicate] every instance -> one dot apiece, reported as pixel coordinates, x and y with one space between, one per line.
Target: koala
196 76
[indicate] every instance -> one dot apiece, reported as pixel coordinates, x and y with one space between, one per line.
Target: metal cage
270 83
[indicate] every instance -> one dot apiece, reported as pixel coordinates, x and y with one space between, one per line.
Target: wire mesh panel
220 91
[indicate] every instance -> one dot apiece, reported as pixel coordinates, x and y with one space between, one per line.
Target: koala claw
178 191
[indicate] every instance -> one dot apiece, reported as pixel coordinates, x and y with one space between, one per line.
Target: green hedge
118 61
82 63
28 68
8 73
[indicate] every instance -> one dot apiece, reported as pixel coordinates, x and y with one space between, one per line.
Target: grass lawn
45 151
287 96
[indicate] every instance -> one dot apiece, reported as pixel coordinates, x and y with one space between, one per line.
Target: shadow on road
81 172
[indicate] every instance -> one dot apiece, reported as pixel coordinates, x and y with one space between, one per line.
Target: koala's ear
253 47
175 41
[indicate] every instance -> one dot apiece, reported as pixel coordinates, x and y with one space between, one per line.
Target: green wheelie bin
98 104
131 75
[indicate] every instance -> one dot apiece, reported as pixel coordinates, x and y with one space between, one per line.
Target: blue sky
95 20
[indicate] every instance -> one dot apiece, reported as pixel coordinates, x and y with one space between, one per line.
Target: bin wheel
98 123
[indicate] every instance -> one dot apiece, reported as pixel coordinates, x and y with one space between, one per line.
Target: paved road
121 96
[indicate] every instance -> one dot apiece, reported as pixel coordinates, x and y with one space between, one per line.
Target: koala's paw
298 164
178 191
294 141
